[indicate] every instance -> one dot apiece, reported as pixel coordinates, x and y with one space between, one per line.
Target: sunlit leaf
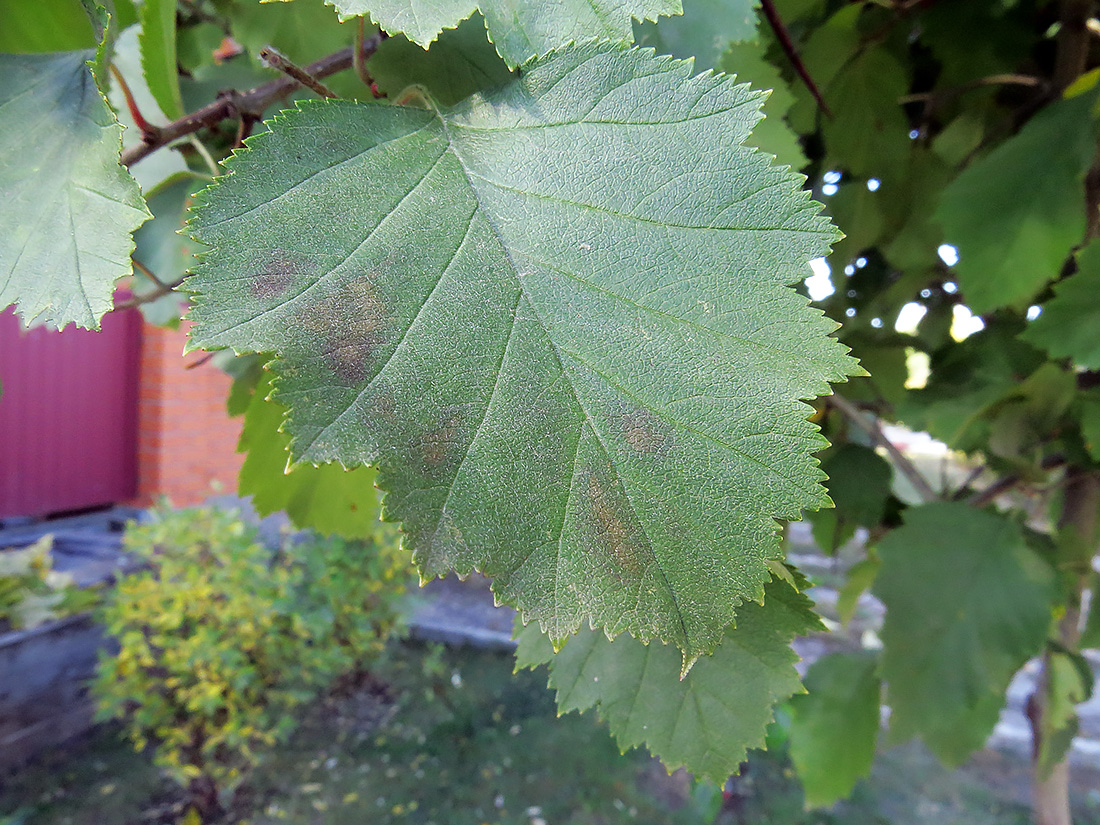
327 498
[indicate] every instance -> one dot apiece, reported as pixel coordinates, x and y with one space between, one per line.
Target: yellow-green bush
222 639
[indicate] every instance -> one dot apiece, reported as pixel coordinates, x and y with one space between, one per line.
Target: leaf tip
688 663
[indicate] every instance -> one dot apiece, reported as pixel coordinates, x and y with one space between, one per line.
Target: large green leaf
1070 320
557 317
519 30
68 207
967 603
1016 214
834 726
709 719
327 498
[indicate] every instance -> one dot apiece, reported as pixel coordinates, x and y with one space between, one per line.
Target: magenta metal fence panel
68 415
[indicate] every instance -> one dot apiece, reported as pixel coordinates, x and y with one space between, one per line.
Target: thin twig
198 362
160 288
233 104
970 479
147 129
992 80
870 426
148 273
360 64
1010 482
277 60
784 38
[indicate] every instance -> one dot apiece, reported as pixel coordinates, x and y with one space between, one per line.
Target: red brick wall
186 441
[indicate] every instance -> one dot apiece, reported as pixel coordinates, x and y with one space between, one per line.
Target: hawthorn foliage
537 270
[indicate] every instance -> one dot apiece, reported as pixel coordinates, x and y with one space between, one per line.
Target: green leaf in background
746 61
68 207
858 484
967 379
1090 429
703 31
304 30
1070 320
967 603
709 719
158 54
462 61
825 52
868 134
834 726
160 248
44 26
327 498
861 576
1015 214
519 30
558 318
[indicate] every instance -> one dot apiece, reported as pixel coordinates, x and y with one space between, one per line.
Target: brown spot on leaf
612 531
383 404
438 445
276 275
352 322
643 431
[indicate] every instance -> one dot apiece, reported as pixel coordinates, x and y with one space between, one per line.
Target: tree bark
1079 520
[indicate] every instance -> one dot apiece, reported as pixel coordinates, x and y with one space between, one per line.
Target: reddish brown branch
360 63
784 38
276 60
148 130
240 105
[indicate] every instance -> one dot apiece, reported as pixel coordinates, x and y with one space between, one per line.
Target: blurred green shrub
222 639
33 593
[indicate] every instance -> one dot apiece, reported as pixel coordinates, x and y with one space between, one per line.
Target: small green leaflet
1070 320
709 719
519 30
328 499
967 603
834 726
557 317
1068 682
1015 214
158 54
68 207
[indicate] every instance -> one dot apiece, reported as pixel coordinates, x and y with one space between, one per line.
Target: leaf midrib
487 216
